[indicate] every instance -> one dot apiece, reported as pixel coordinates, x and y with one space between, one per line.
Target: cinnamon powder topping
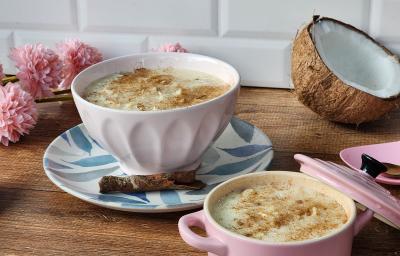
280 212
158 89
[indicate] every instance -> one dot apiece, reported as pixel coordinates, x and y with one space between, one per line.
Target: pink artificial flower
171 48
18 113
76 56
39 69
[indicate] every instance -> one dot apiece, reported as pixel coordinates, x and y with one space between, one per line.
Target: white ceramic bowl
152 142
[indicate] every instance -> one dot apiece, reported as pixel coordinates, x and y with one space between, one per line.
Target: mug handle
208 244
362 219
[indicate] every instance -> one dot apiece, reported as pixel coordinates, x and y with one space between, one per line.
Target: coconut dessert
155 89
280 212
343 74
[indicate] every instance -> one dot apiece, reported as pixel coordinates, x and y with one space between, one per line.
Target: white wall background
253 35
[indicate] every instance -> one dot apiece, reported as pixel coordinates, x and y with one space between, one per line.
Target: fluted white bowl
152 142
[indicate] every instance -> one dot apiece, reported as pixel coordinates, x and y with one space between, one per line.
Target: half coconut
343 74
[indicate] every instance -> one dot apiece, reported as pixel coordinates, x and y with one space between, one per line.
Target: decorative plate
242 148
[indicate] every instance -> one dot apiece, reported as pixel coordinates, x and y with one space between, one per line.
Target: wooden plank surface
37 218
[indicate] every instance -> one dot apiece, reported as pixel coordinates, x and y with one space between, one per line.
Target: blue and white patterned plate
75 163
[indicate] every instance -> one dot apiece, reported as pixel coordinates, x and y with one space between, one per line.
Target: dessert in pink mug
335 185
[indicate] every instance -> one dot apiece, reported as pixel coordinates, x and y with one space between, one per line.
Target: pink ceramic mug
220 241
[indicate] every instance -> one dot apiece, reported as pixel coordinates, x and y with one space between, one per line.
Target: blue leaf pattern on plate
171 206
65 137
94 161
141 195
57 151
80 139
202 191
242 149
84 176
247 150
208 188
170 197
233 168
51 164
210 157
256 168
95 142
243 129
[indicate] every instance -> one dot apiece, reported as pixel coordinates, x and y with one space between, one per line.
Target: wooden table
37 218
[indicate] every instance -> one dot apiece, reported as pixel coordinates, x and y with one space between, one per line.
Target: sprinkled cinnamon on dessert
155 89
280 212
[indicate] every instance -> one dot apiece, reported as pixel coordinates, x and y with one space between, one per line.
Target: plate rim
163 208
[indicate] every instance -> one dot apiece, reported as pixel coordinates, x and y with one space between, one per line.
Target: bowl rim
233 89
215 224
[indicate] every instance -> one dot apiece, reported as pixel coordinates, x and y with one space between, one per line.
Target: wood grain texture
37 218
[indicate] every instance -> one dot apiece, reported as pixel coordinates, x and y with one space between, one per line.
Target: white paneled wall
185 17
253 35
280 19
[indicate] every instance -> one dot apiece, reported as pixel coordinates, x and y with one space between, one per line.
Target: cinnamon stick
144 183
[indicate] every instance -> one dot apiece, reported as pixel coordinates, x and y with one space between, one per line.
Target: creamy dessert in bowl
149 111
155 89
275 213
279 211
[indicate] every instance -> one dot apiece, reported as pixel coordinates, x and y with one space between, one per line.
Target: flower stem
62 91
9 79
13 78
66 97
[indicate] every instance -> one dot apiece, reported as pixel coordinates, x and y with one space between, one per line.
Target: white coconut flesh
356 60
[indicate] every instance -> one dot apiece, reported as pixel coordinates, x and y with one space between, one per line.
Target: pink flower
76 56
171 48
39 69
18 113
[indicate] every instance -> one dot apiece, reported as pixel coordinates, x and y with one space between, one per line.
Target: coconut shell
322 91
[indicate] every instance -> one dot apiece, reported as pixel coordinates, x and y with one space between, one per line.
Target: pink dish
337 181
384 152
221 241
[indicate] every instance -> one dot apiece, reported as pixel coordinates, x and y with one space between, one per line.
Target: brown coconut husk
323 92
